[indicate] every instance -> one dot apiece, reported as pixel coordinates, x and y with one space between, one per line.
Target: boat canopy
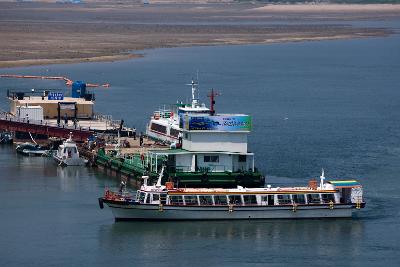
345 184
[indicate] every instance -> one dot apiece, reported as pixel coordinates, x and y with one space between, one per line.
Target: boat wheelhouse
330 199
68 154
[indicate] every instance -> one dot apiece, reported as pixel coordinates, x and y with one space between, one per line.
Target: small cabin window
242 158
211 158
176 200
220 200
299 199
142 197
326 198
156 197
249 199
191 200
284 199
313 198
205 200
235 199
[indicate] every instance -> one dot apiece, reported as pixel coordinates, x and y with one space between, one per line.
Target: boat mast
195 100
160 176
212 96
322 179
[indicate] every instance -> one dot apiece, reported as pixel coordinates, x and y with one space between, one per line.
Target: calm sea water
332 105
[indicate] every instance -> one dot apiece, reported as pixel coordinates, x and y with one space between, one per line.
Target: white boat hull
155 212
69 161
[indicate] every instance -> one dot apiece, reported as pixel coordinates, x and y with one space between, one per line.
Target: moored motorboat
31 149
68 154
332 199
6 138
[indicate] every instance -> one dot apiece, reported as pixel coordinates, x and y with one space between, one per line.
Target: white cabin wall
215 141
224 163
184 160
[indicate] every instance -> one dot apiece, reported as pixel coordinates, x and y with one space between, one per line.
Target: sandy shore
323 8
46 33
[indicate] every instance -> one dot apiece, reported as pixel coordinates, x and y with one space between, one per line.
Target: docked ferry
332 199
164 123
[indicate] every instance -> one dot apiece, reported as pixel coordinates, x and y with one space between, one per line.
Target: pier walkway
11 123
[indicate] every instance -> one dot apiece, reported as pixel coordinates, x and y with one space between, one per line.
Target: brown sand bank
45 33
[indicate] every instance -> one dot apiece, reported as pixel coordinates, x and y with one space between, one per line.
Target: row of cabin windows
266 200
70 150
158 128
242 158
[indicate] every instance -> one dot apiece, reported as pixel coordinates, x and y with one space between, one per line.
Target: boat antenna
70 136
322 178
195 100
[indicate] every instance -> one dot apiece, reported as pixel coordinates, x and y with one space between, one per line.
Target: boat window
242 158
156 197
235 199
163 198
176 200
313 198
326 198
268 200
284 199
158 128
174 132
148 198
141 197
65 150
205 200
271 200
211 158
191 200
220 200
299 199
249 199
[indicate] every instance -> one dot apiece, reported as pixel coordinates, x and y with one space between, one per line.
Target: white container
32 113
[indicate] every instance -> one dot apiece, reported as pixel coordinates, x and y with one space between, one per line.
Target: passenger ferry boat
164 124
68 154
332 199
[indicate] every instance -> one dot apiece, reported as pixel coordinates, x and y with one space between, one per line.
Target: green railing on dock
132 166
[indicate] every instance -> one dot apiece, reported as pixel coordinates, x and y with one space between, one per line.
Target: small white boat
31 149
333 199
68 154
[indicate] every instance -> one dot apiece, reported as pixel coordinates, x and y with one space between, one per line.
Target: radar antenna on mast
195 100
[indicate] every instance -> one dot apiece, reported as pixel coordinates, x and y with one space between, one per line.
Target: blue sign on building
55 96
